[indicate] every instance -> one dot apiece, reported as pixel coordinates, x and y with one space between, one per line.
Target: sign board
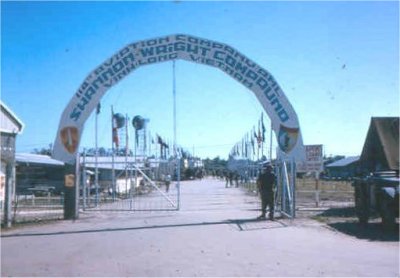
69 180
314 159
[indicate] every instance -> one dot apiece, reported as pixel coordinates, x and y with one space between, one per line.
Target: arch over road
283 117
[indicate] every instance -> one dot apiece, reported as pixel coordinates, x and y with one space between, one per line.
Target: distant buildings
344 168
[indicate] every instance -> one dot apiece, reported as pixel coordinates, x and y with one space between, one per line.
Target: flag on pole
252 145
259 137
166 149
145 140
115 137
262 127
98 108
114 130
159 141
254 132
245 147
137 137
126 137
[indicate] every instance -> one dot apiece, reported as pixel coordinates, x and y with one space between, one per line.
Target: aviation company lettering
185 47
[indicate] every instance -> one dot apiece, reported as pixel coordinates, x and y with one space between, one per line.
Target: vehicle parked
378 193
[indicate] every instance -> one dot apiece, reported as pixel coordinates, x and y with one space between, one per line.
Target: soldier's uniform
266 183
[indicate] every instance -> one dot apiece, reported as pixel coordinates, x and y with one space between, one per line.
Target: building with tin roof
345 168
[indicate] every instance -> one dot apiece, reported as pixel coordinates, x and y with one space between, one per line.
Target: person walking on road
167 182
226 174
265 183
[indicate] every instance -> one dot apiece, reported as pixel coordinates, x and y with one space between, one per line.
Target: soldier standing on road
265 184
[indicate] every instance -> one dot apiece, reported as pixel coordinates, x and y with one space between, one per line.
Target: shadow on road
371 231
240 223
252 224
345 221
339 212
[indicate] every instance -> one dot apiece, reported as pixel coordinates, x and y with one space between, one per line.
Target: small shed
344 168
10 127
38 173
381 147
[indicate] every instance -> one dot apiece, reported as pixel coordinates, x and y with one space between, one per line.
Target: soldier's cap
267 165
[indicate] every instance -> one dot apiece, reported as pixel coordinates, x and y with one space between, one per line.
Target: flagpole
258 141
126 154
262 136
270 144
177 159
113 154
149 135
136 145
96 168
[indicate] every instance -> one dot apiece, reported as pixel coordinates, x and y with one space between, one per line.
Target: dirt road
214 234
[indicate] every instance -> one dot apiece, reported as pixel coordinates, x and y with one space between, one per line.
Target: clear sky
337 62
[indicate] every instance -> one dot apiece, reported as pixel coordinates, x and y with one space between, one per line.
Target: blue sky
337 62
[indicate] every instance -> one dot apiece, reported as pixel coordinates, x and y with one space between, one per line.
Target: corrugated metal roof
36 158
12 118
344 162
105 162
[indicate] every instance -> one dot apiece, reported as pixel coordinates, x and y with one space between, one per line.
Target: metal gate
129 186
285 197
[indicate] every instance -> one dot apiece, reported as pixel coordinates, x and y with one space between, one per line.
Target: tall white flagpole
126 153
270 145
177 159
113 154
96 169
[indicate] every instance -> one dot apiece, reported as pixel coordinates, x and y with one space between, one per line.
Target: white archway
238 66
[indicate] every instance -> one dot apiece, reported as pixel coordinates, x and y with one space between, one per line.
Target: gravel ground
214 234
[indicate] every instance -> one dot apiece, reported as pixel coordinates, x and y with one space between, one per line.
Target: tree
44 151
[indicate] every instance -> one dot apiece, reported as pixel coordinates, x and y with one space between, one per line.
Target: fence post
316 192
8 194
294 174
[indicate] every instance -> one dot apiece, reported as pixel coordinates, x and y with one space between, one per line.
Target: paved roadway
214 234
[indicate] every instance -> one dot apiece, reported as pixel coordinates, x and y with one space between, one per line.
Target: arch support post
71 190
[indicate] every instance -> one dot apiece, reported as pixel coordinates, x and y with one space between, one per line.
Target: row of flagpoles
145 143
253 143
120 123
